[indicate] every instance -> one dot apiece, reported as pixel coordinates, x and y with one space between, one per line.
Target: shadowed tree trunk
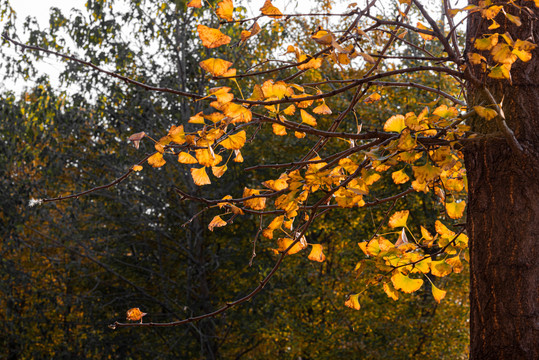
503 209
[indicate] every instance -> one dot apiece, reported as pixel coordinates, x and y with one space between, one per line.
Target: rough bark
503 207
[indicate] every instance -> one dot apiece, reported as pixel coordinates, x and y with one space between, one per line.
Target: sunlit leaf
135 314
485 112
486 43
322 109
455 210
136 168
270 10
353 302
438 293
455 263
195 3
156 160
257 203
234 142
216 222
391 291
400 177
514 19
426 173
317 254
440 268
405 284
372 98
225 9
395 124
424 36
216 67
200 177
186 158
500 72
307 118
399 219
284 243
254 30
212 38
502 54
218 171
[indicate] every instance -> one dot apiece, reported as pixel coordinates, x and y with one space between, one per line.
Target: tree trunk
503 207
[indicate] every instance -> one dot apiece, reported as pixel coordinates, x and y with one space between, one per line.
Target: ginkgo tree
479 141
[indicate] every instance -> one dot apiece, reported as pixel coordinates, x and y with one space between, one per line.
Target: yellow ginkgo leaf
440 268
216 67
135 314
212 38
206 157
446 112
353 302
238 158
455 210
186 158
501 53
400 177
405 284
443 230
491 11
486 43
322 109
395 123
176 134
195 3
200 177
197 119
307 118
423 35
279 184
313 63
438 293
225 9
284 243
426 173
156 160
476 58
257 203
426 234
237 113
399 219
234 142
455 263
218 171
406 141
372 98
391 291
279 129
317 254
486 113
270 10
136 168
501 72
216 222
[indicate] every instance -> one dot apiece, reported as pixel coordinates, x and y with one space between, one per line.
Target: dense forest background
70 268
